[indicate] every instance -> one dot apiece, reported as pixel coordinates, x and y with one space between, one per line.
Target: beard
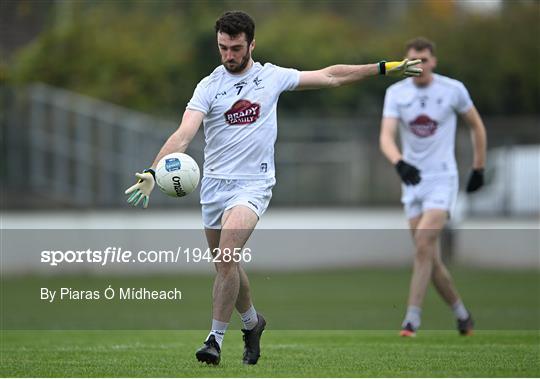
234 67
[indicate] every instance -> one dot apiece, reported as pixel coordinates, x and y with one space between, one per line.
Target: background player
425 107
237 103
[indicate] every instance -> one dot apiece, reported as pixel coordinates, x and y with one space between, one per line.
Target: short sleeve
200 99
287 79
390 108
463 99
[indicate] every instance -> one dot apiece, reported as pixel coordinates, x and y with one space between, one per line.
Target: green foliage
309 40
135 59
149 55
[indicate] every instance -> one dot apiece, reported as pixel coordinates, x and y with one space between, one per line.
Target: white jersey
428 118
240 122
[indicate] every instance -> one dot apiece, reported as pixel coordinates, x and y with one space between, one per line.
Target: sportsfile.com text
118 255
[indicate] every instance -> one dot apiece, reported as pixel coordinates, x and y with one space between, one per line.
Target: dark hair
235 22
421 43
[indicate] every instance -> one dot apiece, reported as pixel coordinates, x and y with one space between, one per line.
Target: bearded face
235 52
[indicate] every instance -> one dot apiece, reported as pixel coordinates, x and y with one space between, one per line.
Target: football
177 174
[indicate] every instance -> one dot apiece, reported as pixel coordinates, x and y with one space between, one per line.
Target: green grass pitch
285 354
349 321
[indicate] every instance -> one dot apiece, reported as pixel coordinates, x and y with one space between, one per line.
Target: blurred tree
128 56
149 55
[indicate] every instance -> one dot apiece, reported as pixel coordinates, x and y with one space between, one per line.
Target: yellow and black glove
403 68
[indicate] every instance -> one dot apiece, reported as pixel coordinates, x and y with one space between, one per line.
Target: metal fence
79 151
66 149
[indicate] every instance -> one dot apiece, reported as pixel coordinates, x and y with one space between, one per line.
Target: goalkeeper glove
476 180
141 190
403 68
409 174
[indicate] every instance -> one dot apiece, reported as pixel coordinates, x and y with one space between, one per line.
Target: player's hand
141 190
476 180
409 174
403 68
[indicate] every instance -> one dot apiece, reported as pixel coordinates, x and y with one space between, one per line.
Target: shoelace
212 343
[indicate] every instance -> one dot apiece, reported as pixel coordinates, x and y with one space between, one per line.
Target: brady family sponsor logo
242 112
172 164
423 126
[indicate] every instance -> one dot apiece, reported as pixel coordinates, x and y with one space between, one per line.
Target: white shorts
433 192
219 195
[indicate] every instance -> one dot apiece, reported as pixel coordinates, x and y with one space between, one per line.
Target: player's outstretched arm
479 141
177 142
408 173
341 74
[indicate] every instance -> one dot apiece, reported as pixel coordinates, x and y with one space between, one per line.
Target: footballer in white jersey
240 128
240 119
237 105
428 119
425 108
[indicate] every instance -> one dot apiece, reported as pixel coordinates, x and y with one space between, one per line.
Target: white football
177 174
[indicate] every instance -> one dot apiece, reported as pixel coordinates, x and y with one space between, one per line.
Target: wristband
151 171
382 68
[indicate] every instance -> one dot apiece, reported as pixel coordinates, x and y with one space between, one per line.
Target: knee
439 267
425 245
436 269
423 256
227 268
